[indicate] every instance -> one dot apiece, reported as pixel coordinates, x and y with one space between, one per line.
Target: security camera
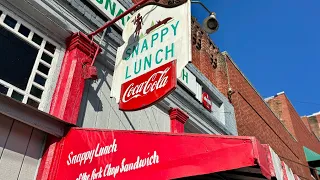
230 91
210 24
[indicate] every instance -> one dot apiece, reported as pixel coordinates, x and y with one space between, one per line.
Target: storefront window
26 60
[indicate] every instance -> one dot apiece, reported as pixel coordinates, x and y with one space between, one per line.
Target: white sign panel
154 36
289 172
189 80
111 9
276 164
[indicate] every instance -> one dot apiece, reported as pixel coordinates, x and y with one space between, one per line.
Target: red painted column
178 119
69 89
47 166
76 68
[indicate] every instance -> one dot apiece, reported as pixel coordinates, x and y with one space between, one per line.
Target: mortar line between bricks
267 123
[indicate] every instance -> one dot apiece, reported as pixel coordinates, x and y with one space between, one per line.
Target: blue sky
276 44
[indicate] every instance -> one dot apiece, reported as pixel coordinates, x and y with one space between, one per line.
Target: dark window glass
10 21
40 80
37 39
17 59
3 89
36 92
33 103
51 48
24 31
44 69
0 12
46 57
17 96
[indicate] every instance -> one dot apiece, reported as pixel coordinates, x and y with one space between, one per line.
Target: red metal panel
262 157
148 88
144 155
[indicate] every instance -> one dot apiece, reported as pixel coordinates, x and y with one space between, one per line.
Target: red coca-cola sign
148 88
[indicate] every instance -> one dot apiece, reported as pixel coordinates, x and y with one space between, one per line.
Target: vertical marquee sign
156 49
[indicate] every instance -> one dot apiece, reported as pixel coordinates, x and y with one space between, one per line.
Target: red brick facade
253 115
314 121
306 122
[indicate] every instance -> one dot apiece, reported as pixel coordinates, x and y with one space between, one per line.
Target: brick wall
295 124
279 106
306 122
254 116
314 121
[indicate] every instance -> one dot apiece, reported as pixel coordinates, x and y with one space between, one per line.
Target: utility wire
305 102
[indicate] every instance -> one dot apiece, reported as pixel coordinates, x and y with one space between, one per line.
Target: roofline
231 60
314 114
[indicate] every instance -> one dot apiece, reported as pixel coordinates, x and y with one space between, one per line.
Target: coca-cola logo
206 101
156 81
146 89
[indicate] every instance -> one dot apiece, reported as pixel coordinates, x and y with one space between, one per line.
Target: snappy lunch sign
157 47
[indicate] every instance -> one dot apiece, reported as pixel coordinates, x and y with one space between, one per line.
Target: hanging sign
156 48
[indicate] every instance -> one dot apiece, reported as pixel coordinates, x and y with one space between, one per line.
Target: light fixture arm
204 6
109 23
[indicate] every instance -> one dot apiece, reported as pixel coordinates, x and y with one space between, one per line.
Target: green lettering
128 53
158 62
135 67
127 76
100 1
170 50
122 19
163 33
135 50
185 76
147 61
153 38
112 7
144 46
174 27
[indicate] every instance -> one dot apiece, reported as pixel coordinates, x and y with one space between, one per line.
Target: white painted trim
41 49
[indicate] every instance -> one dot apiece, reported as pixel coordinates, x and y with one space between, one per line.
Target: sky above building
276 44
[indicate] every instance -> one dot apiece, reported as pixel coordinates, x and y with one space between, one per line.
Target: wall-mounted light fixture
210 23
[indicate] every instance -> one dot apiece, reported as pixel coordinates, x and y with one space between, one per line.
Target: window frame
51 78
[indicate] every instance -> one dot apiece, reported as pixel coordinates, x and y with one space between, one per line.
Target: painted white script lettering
152 84
82 158
140 163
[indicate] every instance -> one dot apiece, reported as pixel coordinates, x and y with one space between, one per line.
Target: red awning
107 154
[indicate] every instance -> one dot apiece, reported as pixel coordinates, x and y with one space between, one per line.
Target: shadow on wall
91 95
